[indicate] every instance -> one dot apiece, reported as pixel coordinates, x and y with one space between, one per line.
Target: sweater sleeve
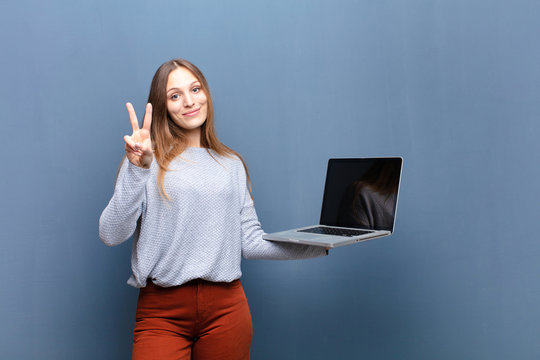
119 219
255 247
253 244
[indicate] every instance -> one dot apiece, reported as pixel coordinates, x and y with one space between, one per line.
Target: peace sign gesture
139 145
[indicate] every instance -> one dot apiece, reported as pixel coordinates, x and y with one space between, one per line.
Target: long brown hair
168 138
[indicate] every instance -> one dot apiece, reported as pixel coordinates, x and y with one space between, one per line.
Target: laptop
359 203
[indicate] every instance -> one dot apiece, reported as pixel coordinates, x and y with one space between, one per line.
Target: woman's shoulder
234 160
228 155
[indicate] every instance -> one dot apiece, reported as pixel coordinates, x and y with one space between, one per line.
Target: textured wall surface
450 85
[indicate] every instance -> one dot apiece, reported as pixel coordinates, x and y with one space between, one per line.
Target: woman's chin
190 125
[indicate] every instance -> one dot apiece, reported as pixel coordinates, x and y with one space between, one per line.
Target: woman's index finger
132 117
147 121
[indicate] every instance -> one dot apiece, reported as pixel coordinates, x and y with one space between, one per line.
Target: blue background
453 86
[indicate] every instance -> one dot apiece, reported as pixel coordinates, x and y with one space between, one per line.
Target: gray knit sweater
202 232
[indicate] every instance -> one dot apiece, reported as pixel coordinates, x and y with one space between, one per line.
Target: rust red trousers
199 320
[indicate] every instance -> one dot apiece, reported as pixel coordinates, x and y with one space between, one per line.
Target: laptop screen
361 193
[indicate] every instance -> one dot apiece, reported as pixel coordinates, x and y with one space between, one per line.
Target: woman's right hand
139 145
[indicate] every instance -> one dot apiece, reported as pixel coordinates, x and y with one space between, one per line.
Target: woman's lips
191 113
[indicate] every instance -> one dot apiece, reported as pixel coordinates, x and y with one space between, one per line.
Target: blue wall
453 86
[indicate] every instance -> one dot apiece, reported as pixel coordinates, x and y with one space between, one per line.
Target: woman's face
186 101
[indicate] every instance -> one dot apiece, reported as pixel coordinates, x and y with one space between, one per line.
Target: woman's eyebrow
175 88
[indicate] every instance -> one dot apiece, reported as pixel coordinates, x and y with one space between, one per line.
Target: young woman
186 199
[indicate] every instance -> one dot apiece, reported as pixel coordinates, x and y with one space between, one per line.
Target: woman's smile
192 113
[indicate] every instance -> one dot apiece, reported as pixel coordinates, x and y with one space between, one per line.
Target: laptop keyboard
334 231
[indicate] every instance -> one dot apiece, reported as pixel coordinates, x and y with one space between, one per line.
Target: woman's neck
194 137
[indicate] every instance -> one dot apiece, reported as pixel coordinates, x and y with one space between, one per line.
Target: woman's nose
188 100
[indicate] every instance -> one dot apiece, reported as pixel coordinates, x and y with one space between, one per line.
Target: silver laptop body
359 204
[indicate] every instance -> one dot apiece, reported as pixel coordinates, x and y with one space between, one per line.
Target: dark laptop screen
361 193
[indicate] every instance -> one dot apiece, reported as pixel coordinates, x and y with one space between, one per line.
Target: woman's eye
174 97
196 89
